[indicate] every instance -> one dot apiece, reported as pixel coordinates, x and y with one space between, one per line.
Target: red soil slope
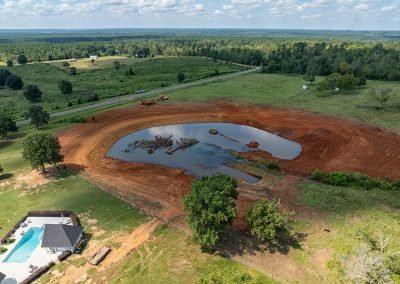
328 143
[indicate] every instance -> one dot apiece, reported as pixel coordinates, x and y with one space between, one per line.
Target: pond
212 150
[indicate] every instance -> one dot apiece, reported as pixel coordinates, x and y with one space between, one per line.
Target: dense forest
368 59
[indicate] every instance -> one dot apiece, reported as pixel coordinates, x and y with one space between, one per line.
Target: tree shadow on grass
6 176
64 171
238 243
6 143
11 139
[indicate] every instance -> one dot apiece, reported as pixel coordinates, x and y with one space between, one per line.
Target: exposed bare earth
328 143
129 242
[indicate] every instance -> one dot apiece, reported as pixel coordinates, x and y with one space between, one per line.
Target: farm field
85 64
105 82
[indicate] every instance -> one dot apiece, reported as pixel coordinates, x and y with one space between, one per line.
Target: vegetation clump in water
151 145
162 142
182 144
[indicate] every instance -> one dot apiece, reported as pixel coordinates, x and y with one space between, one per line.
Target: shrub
130 72
116 65
73 71
14 82
336 80
93 98
22 59
318 175
32 93
268 224
77 120
65 87
3 250
339 179
7 124
10 241
38 116
273 166
270 165
4 74
353 179
181 77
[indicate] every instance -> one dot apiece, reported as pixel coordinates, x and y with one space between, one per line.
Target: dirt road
328 143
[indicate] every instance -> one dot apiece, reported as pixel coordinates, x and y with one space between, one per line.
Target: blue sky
292 14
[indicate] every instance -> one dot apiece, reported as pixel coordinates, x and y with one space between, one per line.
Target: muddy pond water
213 153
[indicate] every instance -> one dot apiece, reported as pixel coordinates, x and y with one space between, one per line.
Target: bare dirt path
328 143
129 242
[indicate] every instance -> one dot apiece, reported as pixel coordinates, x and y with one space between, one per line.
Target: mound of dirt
328 144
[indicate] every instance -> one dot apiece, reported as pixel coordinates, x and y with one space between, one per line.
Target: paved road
157 91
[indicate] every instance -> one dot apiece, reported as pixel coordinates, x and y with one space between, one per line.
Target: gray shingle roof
2 277
60 236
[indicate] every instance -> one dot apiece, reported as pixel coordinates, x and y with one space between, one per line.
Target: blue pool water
25 247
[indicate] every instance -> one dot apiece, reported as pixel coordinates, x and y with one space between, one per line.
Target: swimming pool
25 247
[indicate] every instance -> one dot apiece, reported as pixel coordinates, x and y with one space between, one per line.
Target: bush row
354 179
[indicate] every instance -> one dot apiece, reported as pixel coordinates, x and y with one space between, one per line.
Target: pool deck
17 272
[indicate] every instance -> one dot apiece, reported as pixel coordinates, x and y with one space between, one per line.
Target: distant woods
367 59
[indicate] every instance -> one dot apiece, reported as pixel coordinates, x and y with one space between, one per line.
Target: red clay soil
328 144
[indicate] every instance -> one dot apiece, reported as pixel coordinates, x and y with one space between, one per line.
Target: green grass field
286 91
69 193
85 64
348 211
172 258
106 82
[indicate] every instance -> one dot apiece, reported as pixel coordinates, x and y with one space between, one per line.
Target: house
2 277
337 89
95 57
305 87
61 238
73 60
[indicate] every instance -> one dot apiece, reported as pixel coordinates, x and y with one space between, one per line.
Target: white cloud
389 8
362 7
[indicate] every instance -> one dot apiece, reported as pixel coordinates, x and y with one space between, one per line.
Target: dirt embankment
328 143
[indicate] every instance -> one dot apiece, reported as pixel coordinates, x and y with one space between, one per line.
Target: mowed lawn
286 91
11 148
172 258
106 82
69 193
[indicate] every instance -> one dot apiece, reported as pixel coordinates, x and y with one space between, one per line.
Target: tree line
368 59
